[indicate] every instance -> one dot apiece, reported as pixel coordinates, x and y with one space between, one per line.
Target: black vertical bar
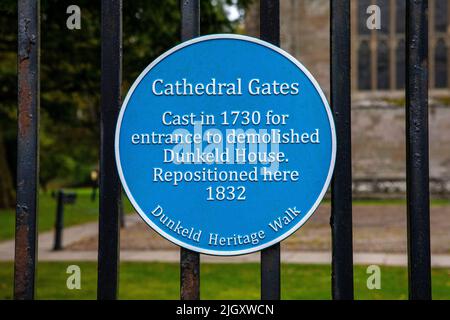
59 222
190 275
269 17
111 61
27 149
121 211
270 273
417 165
189 260
190 19
270 258
341 194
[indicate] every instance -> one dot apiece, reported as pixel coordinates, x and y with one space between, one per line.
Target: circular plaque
225 144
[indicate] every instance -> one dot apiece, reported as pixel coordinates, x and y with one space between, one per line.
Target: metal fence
110 190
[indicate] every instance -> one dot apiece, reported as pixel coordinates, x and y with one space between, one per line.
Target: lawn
218 281
83 210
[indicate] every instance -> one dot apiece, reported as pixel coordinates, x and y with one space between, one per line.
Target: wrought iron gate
110 190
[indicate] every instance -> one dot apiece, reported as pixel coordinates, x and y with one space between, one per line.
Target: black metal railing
417 164
110 190
341 187
341 215
269 18
189 260
27 148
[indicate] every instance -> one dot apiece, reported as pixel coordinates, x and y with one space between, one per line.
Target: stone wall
379 148
305 31
378 120
378 135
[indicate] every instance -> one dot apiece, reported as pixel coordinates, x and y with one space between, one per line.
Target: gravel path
376 229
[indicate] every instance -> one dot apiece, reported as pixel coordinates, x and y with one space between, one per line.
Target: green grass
83 210
218 281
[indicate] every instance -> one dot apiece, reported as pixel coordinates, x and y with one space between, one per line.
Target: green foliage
8 66
70 73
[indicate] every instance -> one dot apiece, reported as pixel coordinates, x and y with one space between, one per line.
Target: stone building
378 81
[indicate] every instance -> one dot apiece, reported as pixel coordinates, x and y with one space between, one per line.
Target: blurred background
69 142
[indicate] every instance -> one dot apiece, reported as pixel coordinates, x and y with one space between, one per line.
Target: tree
70 78
8 101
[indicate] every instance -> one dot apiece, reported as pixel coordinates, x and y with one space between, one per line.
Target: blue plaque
225 144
